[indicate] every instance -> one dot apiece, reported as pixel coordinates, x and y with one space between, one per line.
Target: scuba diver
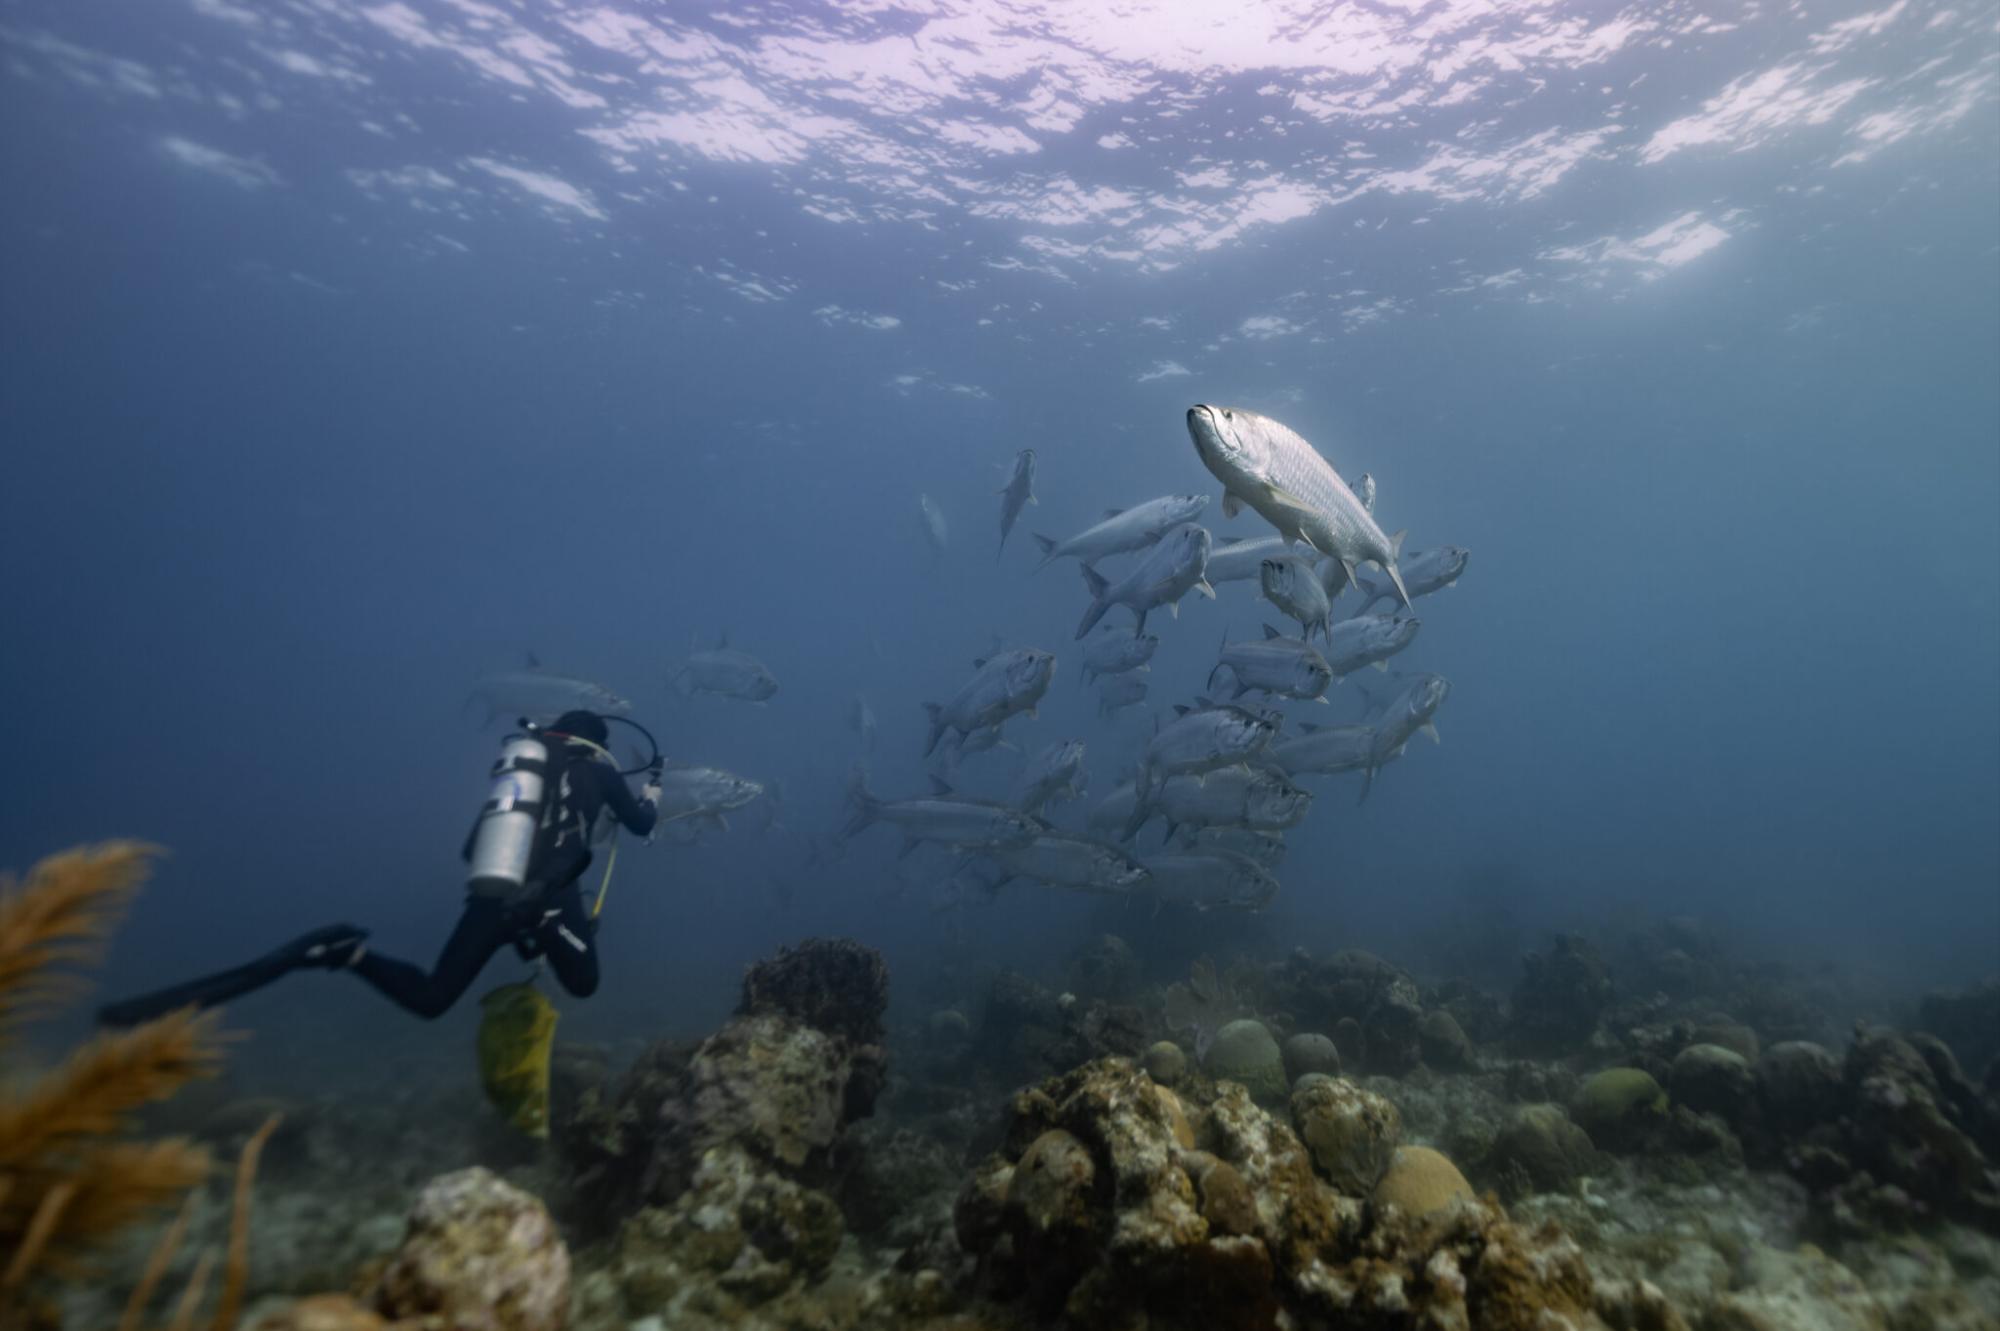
527 850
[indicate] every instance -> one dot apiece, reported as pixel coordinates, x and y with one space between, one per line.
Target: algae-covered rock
1731 1035
481 1253
740 1236
1710 1079
1165 1062
834 985
1244 1052
1051 1184
1444 1042
783 1088
1561 996
1420 1181
1241 1234
1307 1053
1798 1085
1618 1106
1539 1150
1351 1133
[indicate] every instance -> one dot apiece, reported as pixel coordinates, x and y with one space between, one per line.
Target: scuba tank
509 820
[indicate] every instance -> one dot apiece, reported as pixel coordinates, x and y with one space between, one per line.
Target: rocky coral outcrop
1374 1000
1351 1133
1562 995
1244 1052
1539 1150
481 1255
1106 1207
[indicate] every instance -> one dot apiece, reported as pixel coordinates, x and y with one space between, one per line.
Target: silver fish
1211 881
1118 691
1424 572
1264 848
702 796
1113 812
1292 584
957 748
1016 494
861 720
1263 464
1325 750
1413 710
1233 797
1055 772
1124 529
724 671
1169 571
935 529
1196 741
1284 667
541 696
1002 685
1077 863
1233 559
1369 640
943 818
1109 652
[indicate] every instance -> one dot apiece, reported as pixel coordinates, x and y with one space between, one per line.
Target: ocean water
353 352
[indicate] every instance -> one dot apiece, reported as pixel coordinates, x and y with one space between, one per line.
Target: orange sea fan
58 918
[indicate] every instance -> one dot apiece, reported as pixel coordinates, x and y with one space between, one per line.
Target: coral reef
1968 1020
833 985
1562 995
1377 1004
1099 1211
482 1255
1243 1051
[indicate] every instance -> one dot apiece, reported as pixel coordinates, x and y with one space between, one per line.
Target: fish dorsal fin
1270 633
979 662
1228 540
940 788
1309 726
1182 709
1111 513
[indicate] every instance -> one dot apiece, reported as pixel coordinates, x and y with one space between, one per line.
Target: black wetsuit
549 919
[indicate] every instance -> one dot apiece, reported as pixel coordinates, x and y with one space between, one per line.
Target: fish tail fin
864 808
936 714
1095 581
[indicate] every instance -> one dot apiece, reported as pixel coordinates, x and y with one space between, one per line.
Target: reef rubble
1295 1143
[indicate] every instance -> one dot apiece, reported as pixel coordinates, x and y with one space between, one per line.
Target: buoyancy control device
511 818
